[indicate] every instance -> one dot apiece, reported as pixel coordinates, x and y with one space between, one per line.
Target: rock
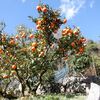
55 88
62 89
14 88
94 92
91 79
40 90
74 85
87 90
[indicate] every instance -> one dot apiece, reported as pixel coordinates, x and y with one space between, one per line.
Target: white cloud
71 7
91 4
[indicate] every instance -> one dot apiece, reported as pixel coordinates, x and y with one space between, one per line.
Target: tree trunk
23 89
22 82
28 85
6 87
40 80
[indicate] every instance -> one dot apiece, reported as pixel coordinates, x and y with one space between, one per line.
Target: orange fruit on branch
41 54
39 22
70 31
1 51
38 27
44 9
17 37
33 49
34 44
64 34
23 35
81 49
73 44
5 76
13 67
64 21
12 42
31 36
76 32
82 40
43 42
65 31
38 8
52 25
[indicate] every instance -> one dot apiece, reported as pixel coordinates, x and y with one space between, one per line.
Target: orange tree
34 56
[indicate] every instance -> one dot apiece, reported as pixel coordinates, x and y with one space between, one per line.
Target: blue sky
82 13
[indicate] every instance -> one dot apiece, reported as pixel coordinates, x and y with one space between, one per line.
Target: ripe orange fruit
12 42
1 51
52 25
64 30
64 21
38 8
64 34
17 37
70 31
23 35
41 54
31 36
79 42
67 30
39 22
33 49
75 32
5 76
73 44
82 40
13 67
34 44
81 49
3 39
44 9
43 42
38 27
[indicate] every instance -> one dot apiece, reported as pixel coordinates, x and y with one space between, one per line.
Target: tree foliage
34 56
